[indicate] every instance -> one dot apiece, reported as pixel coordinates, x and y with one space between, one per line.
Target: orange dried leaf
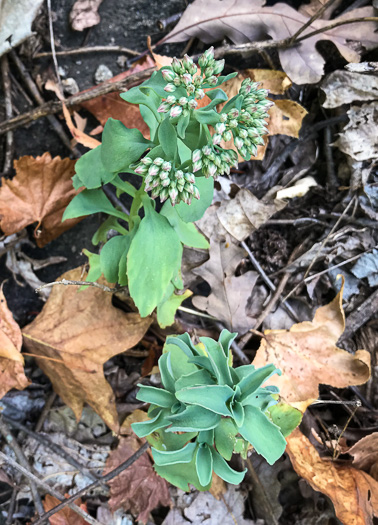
84 330
38 194
354 493
276 81
308 356
138 488
65 516
11 361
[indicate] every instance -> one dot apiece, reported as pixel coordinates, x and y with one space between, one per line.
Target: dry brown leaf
365 454
354 493
11 361
229 294
78 134
84 14
245 21
160 60
308 356
138 488
38 193
343 87
65 516
313 7
112 105
276 81
83 330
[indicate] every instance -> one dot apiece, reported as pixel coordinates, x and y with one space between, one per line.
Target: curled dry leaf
245 21
343 87
65 516
365 454
38 194
138 488
74 335
84 14
11 361
353 493
308 356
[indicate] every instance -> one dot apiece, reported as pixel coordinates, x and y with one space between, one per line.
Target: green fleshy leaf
204 464
166 310
111 223
150 119
94 267
219 360
217 94
199 377
196 210
166 374
122 268
226 338
225 437
121 146
153 259
144 428
203 361
168 138
248 385
156 396
206 436
183 123
172 457
91 201
185 153
164 441
111 254
179 363
244 371
261 398
181 477
222 79
264 436
193 419
186 231
224 471
211 397
157 83
146 99
91 171
208 117
286 417
237 413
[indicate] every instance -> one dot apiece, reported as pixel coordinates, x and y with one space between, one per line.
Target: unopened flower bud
165 182
166 166
218 67
199 93
206 57
146 161
190 89
233 113
239 142
187 62
197 165
176 66
141 169
212 80
223 117
153 170
170 100
233 123
211 170
158 161
196 155
186 197
155 183
189 177
173 194
187 78
217 139
179 174
192 103
209 71
227 135
163 108
164 194
168 75
220 127
206 150
155 193
196 193
177 81
170 88
243 133
197 81
175 111
183 101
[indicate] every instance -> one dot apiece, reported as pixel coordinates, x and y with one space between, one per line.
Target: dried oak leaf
365 454
137 489
229 294
308 356
84 14
38 193
75 334
65 516
353 493
11 361
249 21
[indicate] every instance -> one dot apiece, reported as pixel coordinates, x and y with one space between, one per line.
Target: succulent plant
208 410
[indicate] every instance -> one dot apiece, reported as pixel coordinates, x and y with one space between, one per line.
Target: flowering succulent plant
207 410
178 164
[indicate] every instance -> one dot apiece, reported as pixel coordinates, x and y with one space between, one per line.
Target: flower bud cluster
165 181
177 107
214 160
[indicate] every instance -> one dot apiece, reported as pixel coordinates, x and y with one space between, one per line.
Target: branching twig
112 474
314 17
92 49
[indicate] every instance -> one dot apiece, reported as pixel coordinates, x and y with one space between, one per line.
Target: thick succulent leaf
196 210
144 428
184 343
244 371
237 411
212 397
286 417
203 362
166 374
226 338
224 471
204 464
186 231
171 457
218 360
206 436
179 362
197 378
249 384
261 398
88 202
111 254
181 477
225 437
156 396
193 419
164 441
264 436
91 171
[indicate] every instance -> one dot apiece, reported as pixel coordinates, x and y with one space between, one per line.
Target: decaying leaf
15 22
308 356
75 334
299 189
367 266
138 488
229 294
246 213
245 21
277 82
38 193
11 361
84 14
343 87
65 516
354 493
365 454
359 137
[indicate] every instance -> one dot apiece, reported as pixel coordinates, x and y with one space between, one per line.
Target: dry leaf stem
12 505
112 474
9 144
92 49
36 481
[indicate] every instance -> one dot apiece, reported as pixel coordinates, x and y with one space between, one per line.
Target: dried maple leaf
308 356
11 361
65 516
138 488
354 493
84 14
78 331
229 294
38 193
248 21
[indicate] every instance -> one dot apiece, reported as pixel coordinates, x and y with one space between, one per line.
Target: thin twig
52 44
112 474
195 312
92 49
34 479
337 24
9 143
11 507
314 17
67 282
46 409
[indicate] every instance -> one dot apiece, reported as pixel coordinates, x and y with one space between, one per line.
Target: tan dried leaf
11 361
353 493
65 516
84 14
365 454
276 81
138 488
38 193
343 87
308 356
74 335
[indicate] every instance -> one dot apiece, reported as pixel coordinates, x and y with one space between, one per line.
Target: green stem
137 203
124 186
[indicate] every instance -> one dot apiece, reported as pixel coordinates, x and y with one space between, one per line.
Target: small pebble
61 71
102 74
122 61
70 86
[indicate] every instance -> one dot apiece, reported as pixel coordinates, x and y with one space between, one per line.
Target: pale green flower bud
166 166
179 174
199 93
183 101
239 142
223 117
168 75
146 161
212 80
227 135
243 133
170 88
173 194
187 78
177 81
218 67
141 169
190 89
220 127
164 194
177 66
158 161
197 165
171 100
233 123
234 113
196 193
187 62
153 170
163 108
192 104
217 139
165 182
175 111
189 177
